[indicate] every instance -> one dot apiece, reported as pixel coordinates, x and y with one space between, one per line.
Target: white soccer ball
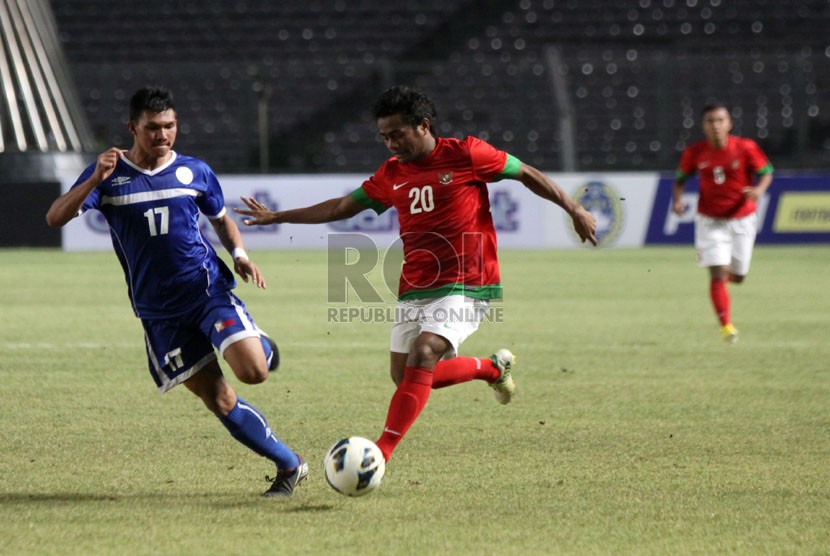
354 466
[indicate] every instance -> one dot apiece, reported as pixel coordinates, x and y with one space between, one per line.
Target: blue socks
249 427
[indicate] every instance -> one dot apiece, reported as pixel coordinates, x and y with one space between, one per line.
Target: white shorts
725 242
454 317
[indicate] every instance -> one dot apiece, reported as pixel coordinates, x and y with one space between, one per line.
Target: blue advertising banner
796 209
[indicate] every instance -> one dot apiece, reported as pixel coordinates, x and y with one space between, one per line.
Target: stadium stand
635 73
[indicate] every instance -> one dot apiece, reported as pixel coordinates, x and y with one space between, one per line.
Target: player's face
155 132
406 142
716 126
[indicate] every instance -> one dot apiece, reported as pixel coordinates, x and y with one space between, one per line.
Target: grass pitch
635 431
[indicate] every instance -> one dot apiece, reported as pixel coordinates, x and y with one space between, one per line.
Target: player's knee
218 401
423 355
252 374
736 278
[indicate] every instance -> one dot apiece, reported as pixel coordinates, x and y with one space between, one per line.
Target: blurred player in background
734 173
438 186
181 290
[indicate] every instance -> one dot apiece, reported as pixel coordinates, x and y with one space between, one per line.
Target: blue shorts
179 347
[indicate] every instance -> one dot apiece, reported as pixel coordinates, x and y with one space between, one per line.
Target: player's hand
106 163
679 208
751 193
585 225
246 270
261 215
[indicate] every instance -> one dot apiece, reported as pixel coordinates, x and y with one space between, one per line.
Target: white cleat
503 387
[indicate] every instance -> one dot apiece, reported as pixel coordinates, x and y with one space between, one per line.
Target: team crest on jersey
601 200
445 178
120 180
184 175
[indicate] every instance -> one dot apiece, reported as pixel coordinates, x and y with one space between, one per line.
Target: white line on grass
53 346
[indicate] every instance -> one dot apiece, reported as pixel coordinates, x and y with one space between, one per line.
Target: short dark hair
154 99
410 103
712 106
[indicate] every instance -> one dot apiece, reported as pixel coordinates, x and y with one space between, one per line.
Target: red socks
463 369
407 402
720 300
413 392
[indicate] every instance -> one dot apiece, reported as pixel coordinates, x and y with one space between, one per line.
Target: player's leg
463 316
461 369
742 239
246 359
246 424
413 391
181 353
743 232
249 352
713 242
455 318
397 365
250 356
448 372
718 293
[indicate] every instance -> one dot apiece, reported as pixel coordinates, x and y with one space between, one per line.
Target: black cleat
284 483
275 353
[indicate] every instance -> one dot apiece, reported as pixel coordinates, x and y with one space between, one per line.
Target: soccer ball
354 466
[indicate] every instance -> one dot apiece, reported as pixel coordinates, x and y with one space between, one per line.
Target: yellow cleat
729 333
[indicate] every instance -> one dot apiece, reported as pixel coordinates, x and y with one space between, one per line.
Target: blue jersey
153 218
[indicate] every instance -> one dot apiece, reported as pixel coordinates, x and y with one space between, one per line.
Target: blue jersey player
181 290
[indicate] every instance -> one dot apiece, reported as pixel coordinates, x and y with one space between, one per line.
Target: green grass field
636 430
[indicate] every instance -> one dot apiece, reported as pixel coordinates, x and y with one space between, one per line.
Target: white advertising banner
621 202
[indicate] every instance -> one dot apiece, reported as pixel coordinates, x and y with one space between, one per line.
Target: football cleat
503 387
729 333
284 483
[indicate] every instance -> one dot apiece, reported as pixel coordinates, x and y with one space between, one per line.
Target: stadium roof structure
39 110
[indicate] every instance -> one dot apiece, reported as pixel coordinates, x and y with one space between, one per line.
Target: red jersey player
450 271
726 223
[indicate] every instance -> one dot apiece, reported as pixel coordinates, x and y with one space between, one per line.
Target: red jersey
449 241
723 174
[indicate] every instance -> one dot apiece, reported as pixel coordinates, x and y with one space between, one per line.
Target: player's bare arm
758 190
66 207
584 222
231 239
339 208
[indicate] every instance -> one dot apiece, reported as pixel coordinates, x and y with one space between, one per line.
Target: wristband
239 253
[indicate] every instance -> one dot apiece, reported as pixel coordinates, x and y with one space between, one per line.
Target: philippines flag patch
220 325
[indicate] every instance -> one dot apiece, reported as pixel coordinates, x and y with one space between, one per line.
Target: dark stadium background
286 87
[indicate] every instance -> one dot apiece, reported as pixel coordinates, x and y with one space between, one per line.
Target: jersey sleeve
212 203
757 161
93 200
686 168
511 168
373 193
489 163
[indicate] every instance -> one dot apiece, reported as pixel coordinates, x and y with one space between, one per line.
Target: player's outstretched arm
338 208
66 207
584 222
